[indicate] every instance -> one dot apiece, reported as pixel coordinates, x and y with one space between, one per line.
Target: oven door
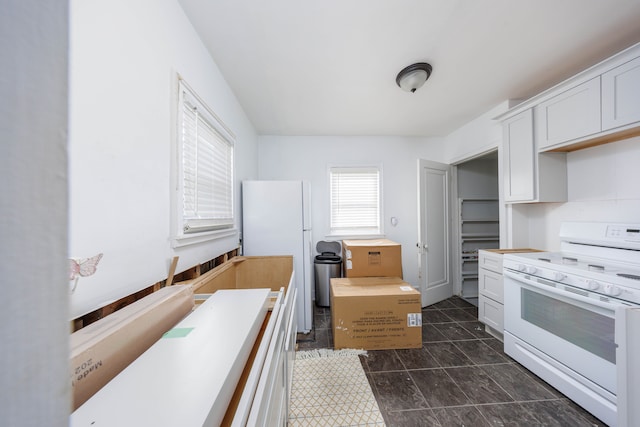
570 325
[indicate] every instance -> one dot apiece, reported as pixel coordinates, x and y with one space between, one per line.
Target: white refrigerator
276 220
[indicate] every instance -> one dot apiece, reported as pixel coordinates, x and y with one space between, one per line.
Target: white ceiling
302 67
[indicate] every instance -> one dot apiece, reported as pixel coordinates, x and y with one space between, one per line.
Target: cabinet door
490 285
621 95
490 261
570 115
491 313
519 161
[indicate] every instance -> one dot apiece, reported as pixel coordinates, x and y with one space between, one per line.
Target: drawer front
490 260
491 313
490 285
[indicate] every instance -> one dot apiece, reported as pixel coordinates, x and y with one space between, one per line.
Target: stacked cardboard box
375 313
371 258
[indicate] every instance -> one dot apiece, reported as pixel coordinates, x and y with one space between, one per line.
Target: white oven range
563 311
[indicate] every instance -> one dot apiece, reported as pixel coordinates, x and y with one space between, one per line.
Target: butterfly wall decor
82 268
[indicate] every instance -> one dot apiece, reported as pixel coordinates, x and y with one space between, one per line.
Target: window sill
355 236
206 236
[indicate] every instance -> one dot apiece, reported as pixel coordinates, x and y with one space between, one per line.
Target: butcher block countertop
512 251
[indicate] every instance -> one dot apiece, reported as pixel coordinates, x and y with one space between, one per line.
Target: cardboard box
371 258
375 313
103 349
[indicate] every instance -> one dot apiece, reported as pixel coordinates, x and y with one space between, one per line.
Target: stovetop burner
577 262
604 271
602 258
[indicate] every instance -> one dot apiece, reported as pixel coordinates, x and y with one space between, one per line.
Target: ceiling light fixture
413 77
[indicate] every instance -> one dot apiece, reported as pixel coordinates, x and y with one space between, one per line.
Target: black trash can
327 265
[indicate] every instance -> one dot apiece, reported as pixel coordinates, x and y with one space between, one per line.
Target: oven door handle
610 305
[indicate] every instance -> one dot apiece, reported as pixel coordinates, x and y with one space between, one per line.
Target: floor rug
330 388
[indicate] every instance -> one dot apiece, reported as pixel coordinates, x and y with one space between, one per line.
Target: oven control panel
600 238
621 231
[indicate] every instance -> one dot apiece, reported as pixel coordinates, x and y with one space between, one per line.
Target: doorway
476 223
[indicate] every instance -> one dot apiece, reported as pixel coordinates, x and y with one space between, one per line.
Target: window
205 167
355 200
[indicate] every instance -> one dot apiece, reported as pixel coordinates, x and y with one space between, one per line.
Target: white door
434 232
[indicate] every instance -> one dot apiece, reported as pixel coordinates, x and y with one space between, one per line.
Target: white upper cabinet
621 95
519 159
569 115
530 176
597 106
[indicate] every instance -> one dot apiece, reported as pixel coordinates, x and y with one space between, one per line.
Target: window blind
207 169
355 200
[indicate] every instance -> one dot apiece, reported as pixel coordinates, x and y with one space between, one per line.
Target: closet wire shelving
479 228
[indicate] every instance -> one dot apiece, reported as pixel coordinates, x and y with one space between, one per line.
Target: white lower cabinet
491 284
269 405
490 300
491 313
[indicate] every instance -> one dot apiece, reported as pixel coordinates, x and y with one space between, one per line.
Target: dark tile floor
460 376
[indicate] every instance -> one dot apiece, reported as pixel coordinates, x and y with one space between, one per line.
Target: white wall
34 338
602 186
480 135
308 158
124 60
